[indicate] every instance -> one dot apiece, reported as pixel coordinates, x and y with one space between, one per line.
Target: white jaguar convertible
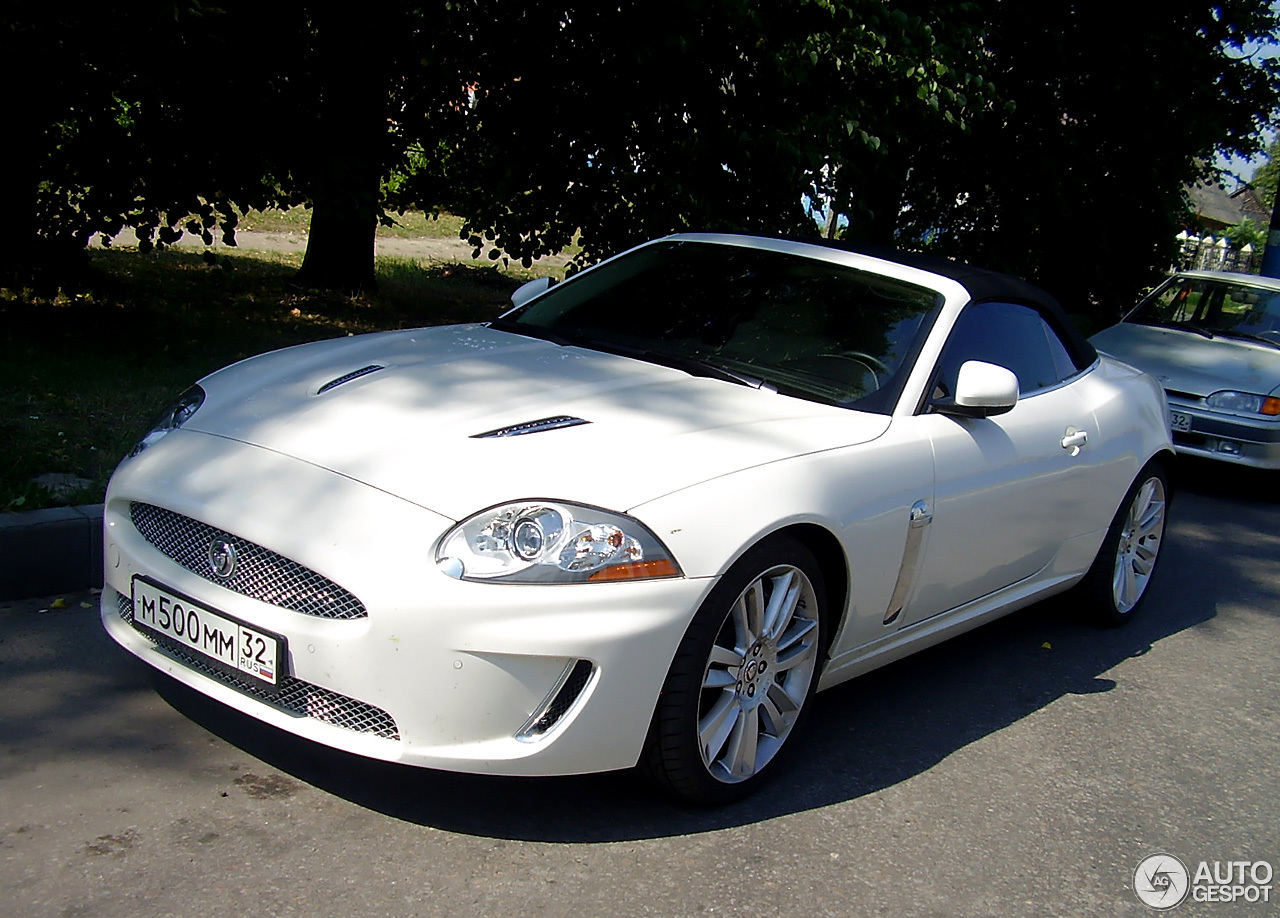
641 518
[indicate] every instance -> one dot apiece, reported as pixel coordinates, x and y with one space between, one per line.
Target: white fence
1215 253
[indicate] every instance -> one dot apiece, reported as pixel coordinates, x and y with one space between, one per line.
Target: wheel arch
1167 459
834 564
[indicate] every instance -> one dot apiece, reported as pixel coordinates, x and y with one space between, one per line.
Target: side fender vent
559 702
354 374
531 427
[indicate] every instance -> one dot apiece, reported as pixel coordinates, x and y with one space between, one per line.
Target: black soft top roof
982 284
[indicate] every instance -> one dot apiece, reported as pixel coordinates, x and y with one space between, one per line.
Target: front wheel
741 678
1117 582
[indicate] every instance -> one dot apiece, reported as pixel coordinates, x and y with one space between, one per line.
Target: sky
1243 169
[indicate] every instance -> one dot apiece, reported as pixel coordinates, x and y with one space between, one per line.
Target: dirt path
425 247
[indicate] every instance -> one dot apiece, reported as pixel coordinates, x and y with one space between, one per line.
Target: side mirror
528 290
982 390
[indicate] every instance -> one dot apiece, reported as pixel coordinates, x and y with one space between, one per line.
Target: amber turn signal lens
638 570
1271 405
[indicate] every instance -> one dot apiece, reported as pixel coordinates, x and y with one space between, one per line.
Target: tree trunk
340 242
19 234
346 149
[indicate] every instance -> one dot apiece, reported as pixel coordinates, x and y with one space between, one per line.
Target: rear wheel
742 677
1117 583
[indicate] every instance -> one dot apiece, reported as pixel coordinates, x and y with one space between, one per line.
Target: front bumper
436 672
1227 437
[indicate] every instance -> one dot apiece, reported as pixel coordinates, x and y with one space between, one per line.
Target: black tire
745 696
1118 582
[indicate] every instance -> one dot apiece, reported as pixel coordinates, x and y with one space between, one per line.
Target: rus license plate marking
210 634
1179 421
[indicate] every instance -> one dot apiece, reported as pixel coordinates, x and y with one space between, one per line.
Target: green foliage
1264 179
628 129
1106 129
1002 133
1245 233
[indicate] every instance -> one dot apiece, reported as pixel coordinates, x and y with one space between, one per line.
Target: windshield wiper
530 331
1188 326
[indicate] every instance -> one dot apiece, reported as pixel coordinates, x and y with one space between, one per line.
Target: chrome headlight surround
175 416
1244 402
543 541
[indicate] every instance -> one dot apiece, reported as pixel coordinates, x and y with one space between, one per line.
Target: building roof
1216 208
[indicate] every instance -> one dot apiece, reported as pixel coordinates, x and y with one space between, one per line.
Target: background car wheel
1118 581
742 677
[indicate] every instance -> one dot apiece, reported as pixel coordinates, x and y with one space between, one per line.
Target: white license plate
210 634
1180 421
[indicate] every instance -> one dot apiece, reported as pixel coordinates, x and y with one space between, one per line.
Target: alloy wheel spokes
744 742
1139 545
748 614
716 725
758 673
722 667
783 600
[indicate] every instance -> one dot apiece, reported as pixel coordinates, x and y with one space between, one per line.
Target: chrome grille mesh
293 696
260 573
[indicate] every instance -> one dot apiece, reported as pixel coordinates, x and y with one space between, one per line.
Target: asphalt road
1023 769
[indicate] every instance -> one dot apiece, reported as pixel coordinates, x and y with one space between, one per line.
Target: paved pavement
993 775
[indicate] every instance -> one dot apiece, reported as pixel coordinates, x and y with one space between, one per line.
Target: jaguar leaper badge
223 558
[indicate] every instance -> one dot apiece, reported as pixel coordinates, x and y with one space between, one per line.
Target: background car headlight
552 542
1231 400
175 416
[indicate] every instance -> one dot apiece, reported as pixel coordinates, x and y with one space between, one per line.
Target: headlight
552 542
1247 402
174 417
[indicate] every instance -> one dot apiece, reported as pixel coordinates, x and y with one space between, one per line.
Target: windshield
801 326
1213 307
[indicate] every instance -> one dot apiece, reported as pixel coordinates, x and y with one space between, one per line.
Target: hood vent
354 374
531 427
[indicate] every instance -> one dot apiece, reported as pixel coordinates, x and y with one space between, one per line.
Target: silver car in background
1212 339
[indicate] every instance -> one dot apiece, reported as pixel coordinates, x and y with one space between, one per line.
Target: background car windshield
1220 307
806 327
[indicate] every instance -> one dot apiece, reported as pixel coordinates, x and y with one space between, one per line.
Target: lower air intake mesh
293 695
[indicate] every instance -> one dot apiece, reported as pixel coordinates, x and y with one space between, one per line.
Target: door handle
1074 439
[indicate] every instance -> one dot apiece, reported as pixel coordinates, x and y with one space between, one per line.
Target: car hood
1184 361
411 427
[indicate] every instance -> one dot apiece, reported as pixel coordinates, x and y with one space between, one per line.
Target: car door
1007 488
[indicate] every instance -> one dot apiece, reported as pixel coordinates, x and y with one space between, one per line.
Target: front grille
293 696
259 573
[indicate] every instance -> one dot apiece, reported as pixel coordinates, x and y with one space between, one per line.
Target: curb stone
50 551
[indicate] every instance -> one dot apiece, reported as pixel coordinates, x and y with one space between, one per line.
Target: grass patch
408 225
85 375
